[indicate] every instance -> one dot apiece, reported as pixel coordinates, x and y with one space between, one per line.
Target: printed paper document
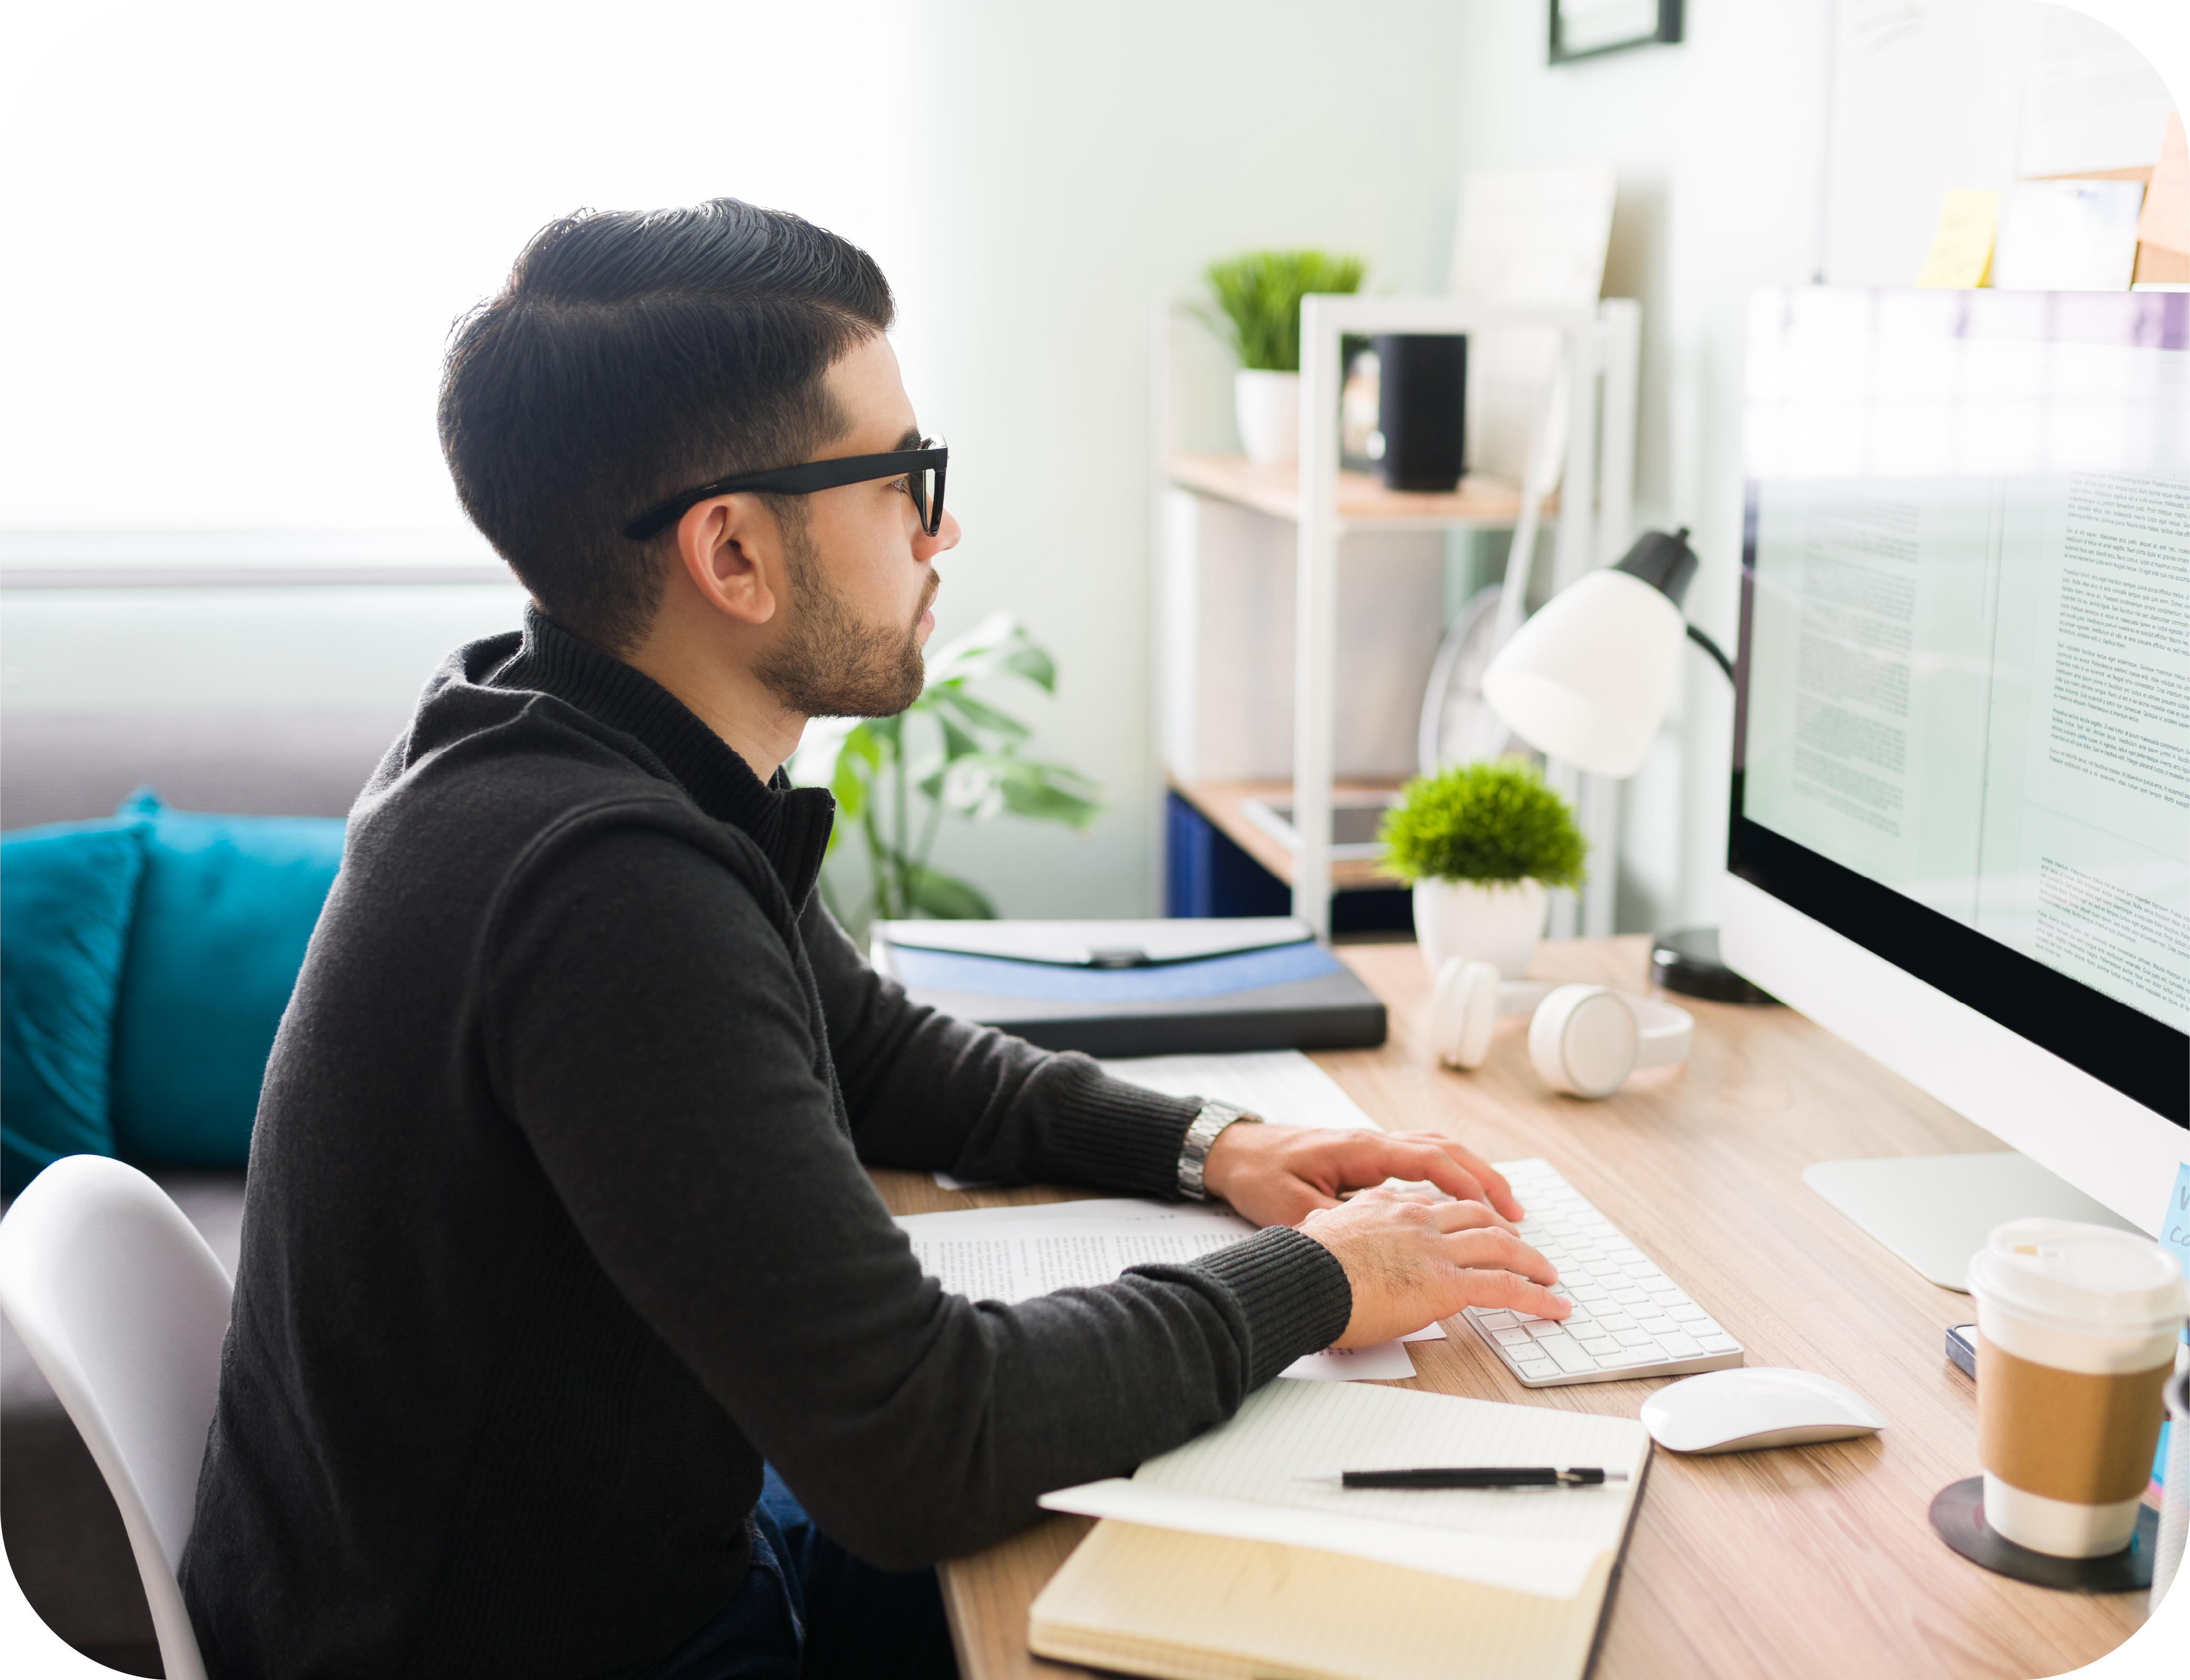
1018 1254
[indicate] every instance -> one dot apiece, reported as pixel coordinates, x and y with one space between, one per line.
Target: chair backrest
123 1305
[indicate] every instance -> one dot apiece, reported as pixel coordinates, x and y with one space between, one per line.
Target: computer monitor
1960 825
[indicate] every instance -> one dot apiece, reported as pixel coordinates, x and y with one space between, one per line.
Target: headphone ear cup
1582 1040
1463 1010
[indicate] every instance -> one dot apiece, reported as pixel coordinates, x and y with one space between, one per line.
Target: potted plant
948 753
1481 842
1258 297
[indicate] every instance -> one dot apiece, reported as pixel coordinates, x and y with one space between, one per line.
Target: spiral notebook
1238 1557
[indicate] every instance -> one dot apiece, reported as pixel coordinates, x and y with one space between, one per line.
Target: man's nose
945 538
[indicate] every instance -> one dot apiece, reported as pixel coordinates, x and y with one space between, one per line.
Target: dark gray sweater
557 1227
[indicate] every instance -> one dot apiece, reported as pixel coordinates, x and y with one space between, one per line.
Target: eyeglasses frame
804 479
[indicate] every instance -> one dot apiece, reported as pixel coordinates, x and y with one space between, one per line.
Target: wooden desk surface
1805 1560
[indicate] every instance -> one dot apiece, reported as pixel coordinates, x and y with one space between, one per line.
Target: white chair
123 1305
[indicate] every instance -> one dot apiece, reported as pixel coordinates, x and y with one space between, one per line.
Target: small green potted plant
1480 844
1258 308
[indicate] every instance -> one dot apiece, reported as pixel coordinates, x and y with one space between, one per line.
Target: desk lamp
1586 680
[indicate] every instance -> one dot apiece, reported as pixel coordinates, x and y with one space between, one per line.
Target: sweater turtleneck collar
790 825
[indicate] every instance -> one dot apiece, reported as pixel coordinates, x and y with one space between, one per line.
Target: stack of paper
1017 1253
1282 1086
1239 1554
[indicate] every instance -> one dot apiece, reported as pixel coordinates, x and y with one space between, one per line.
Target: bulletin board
1930 94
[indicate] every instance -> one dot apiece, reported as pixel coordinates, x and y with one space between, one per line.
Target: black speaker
1421 409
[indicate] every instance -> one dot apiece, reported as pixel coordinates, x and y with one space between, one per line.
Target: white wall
1076 166
256 222
1719 143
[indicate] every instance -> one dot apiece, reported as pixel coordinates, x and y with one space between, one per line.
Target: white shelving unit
1593 524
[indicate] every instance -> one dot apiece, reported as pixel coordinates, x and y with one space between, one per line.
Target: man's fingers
1412 1160
1515 1294
1495 1188
1465 1216
1497 1250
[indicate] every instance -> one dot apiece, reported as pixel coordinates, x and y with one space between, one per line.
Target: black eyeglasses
922 467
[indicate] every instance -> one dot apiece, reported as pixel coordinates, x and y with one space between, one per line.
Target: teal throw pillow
226 908
66 896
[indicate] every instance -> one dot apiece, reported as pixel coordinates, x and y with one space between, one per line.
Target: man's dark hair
633 354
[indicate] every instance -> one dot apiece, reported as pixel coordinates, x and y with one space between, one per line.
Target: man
557 1231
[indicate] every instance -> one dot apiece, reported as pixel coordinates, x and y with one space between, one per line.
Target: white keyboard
1629 1319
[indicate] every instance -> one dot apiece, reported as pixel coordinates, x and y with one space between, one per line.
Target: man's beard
831 664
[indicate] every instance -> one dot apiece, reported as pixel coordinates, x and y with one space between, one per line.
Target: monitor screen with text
1965 665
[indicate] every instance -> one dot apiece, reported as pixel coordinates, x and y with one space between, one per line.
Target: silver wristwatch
1200 1138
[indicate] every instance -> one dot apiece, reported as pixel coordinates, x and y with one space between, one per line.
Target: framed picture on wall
1583 29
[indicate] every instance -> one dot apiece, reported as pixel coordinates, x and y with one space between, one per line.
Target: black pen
1545 1476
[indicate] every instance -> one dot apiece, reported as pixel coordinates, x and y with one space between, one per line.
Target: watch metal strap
1200 1137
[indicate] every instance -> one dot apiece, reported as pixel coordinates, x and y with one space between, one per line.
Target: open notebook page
1251 1479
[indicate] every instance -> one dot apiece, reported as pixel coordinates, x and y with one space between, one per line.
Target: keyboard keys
1625 1316
1569 1354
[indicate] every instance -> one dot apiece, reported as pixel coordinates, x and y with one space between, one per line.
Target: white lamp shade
1586 680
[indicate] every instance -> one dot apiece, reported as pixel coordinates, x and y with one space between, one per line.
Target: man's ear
732 550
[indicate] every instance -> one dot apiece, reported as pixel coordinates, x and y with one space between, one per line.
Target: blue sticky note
2174 1226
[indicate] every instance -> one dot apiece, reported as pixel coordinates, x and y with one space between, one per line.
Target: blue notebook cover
1286 993
1167 983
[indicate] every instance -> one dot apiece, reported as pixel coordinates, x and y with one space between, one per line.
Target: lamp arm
1713 648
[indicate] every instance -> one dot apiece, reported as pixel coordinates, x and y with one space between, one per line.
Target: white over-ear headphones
1584 1039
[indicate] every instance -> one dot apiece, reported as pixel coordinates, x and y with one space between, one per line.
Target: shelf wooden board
1481 501
1221 802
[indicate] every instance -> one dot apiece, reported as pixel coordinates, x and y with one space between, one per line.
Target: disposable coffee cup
2077 1327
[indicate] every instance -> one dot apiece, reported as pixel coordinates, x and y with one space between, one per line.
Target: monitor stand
1935 1212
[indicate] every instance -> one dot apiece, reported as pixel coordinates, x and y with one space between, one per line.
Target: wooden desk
1807 1561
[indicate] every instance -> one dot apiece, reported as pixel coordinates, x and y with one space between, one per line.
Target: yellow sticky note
2166 220
1961 244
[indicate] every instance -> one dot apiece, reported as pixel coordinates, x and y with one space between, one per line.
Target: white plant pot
1495 921
1267 406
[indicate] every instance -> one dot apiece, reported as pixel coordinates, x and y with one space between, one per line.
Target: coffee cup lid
2086 1276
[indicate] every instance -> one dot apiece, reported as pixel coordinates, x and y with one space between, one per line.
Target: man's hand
1277 1175
1411 1260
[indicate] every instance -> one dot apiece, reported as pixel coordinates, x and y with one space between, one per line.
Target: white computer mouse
1757 1406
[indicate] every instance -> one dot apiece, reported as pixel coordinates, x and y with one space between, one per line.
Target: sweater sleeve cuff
1117 1137
1292 1293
